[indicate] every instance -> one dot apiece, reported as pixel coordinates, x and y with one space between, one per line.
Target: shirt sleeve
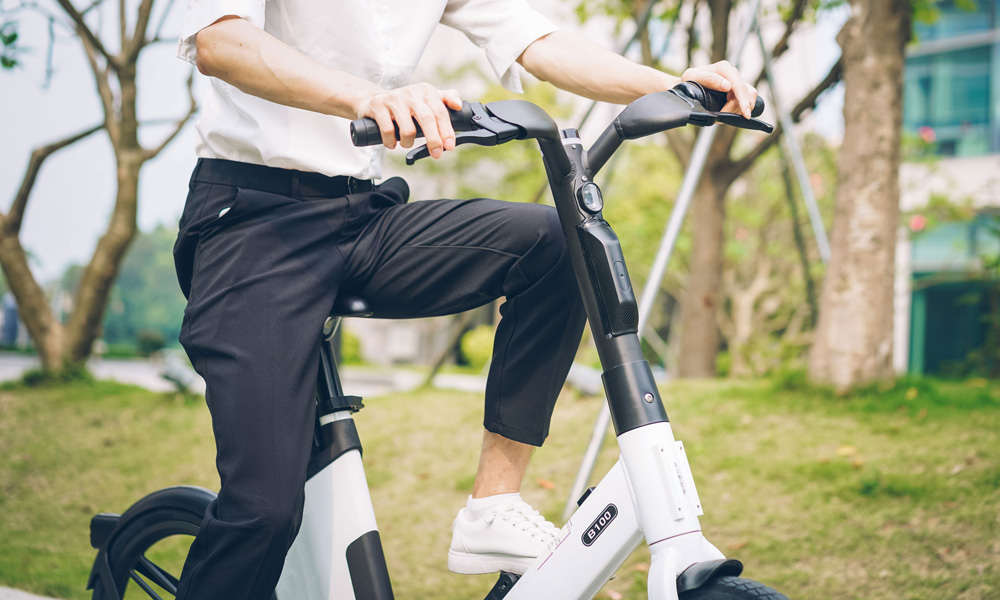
202 13
503 28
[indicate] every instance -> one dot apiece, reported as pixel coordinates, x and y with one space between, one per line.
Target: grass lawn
887 493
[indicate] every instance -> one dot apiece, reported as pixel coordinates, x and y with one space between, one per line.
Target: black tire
127 553
733 588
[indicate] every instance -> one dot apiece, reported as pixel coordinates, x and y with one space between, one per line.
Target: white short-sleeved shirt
378 40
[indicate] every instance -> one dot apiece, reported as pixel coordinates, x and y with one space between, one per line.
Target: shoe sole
480 564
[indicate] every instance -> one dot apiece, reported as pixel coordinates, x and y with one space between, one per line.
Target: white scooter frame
649 494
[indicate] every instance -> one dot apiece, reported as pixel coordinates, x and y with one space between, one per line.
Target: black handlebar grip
365 131
715 100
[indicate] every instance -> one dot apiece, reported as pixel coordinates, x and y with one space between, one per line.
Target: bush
148 341
119 351
350 348
68 374
477 346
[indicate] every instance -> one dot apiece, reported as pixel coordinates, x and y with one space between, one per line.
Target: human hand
724 77
420 102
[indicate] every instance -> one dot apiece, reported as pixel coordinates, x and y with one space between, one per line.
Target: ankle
477 507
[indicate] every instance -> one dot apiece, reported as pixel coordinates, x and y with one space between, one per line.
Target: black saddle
348 305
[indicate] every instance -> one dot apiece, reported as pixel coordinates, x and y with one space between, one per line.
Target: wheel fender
701 573
105 527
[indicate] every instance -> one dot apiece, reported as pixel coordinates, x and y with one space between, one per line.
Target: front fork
650 493
668 507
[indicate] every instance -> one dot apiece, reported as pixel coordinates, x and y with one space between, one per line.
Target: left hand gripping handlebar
365 131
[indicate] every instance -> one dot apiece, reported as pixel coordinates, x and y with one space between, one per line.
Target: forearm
575 64
253 61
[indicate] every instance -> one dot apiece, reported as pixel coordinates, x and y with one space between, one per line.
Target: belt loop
295 184
352 186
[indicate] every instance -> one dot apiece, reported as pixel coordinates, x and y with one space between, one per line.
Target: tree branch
720 11
794 17
681 146
91 7
122 26
86 33
180 123
807 103
163 19
12 220
103 90
138 40
782 45
692 31
798 9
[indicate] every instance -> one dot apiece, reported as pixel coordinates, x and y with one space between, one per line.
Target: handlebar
495 123
365 131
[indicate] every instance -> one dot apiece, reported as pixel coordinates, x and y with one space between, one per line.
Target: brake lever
742 122
697 96
705 118
479 137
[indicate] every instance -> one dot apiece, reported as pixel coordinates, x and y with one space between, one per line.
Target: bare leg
502 463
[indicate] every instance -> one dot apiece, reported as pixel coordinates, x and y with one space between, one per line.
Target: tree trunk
699 331
98 278
33 306
853 343
700 337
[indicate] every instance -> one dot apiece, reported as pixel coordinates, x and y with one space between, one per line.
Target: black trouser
261 255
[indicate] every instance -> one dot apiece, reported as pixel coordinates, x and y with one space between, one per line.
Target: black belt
286 182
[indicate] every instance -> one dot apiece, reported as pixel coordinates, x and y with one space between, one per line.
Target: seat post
330 390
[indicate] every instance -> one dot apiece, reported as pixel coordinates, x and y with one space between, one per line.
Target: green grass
890 492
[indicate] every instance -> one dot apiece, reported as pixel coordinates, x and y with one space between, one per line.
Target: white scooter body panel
595 542
316 565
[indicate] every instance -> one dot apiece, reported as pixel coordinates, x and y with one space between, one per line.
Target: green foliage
146 306
71 374
908 395
985 360
149 341
760 253
477 346
146 300
350 348
128 350
512 171
9 49
928 12
940 209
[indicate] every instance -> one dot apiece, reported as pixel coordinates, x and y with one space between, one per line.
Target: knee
277 520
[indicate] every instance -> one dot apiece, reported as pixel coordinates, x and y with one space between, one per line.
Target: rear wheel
733 588
146 557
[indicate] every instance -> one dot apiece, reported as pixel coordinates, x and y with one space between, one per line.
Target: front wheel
146 557
733 588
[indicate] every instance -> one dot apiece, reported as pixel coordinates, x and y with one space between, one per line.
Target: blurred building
951 118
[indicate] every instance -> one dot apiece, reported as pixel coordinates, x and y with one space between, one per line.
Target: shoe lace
523 517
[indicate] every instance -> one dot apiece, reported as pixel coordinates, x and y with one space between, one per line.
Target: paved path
367 382
9 594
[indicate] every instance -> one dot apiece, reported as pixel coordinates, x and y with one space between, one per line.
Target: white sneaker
507 537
